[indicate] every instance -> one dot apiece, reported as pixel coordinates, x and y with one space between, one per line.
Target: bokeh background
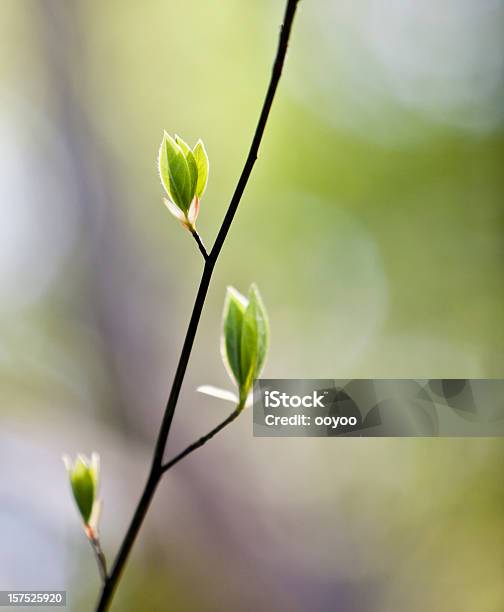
373 226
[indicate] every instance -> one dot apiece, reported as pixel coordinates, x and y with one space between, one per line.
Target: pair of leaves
245 338
183 171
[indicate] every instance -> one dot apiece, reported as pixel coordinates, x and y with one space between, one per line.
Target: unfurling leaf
174 172
254 341
184 175
191 165
234 308
84 479
203 167
245 338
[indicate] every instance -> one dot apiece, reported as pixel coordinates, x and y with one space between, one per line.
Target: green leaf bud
84 479
174 172
245 338
184 175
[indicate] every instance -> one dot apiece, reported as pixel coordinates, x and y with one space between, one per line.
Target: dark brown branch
157 469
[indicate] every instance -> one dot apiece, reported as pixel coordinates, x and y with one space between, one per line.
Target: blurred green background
373 226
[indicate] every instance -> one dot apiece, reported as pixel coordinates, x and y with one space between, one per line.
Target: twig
200 244
203 440
98 552
157 469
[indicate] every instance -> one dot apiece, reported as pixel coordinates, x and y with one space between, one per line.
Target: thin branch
99 555
221 236
203 440
157 469
276 73
200 244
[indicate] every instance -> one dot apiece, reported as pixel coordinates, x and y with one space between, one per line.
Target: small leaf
174 209
262 327
223 394
193 212
94 519
94 469
248 348
245 338
174 172
234 308
248 351
202 162
84 476
254 340
182 144
191 164
193 172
